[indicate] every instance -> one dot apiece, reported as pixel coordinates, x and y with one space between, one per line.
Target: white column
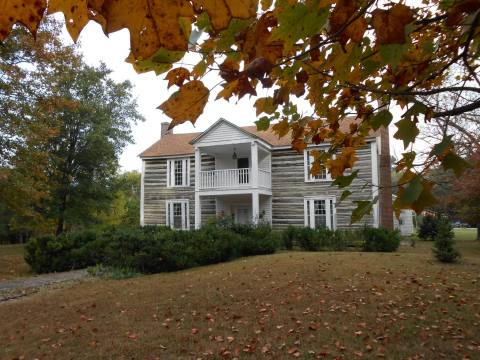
198 211
198 205
254 156
198 168
255 207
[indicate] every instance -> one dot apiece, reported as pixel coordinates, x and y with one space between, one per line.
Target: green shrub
380 239
428 228
289 237
149 249
62 253
444 241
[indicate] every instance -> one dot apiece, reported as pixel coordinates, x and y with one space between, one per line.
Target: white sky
151 90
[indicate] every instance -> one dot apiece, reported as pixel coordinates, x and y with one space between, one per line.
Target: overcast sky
151 90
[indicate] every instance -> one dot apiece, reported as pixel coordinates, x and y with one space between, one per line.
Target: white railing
227 178
264 178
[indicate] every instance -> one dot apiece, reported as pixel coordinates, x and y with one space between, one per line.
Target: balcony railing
232 178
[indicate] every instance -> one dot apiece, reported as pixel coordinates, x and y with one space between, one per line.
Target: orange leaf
177 76
26 12
187 104
390 24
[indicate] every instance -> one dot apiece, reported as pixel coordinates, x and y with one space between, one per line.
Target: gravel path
14 289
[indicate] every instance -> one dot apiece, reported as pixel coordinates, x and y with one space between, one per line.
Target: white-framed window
178 172
320 212
177 214
323 175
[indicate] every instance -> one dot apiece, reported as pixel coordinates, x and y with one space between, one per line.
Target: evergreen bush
428 228
444 241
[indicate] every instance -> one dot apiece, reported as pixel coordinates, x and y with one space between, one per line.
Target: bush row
368 239
158 249
148 249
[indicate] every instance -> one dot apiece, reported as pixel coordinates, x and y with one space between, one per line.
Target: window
178 172
177 214
323 175
320 212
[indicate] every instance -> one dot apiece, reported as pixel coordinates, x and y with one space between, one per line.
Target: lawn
12 264
288 305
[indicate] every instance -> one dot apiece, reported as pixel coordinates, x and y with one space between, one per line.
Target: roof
181 144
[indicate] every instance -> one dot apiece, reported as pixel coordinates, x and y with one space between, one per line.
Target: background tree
125 208
465 199
60 165
342 57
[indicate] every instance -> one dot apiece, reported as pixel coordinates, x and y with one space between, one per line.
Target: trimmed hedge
148 249
160 249
322 239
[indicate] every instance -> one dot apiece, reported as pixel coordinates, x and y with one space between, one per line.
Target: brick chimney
164 128
385 181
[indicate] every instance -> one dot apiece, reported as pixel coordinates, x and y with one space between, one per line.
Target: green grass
290 305
12 263
462 234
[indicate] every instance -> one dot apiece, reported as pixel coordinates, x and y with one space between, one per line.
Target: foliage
112 272
428 227
444 240
466 197
64 125
380 239
148 249
343 57
320 239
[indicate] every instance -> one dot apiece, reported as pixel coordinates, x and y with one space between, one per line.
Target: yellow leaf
221 12
26 12
281 128
75 12
265 105
152 24
186 104
177 76
266 4
228 90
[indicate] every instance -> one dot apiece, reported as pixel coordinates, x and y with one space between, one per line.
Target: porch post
198 211
198 205
254 156
255 207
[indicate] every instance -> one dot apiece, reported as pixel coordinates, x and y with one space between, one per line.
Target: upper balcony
241 161
242 178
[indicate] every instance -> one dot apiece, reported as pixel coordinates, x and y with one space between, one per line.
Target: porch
245 208
240 166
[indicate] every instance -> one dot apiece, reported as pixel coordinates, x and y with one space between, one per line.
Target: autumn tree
61 170
465 199
341 57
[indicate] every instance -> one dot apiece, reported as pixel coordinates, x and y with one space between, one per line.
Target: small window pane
178 172
177 215
322 175
320 213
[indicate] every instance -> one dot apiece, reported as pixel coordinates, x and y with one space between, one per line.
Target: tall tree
77 121
94 116
466 197
344 57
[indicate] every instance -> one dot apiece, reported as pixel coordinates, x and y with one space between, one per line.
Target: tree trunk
61 214
478 231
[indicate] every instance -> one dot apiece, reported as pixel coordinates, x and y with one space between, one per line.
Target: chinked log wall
156 192
289 189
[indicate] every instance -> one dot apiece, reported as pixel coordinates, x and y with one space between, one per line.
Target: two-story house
253 176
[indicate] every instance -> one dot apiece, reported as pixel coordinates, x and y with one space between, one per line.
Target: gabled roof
182 144
218 123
